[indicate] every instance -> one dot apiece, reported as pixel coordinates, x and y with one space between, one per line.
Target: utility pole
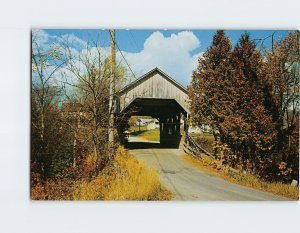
112 90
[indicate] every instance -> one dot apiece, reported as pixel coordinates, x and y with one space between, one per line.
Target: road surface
187 182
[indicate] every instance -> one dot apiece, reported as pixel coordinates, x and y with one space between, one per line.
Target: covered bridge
158 95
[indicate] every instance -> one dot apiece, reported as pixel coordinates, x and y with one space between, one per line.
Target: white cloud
170 54
73 40
39 36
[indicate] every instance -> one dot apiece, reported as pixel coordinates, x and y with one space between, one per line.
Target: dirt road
189 183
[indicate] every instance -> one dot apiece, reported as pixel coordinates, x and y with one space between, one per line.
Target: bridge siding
154 86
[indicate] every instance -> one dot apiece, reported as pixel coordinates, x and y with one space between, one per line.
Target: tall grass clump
124 179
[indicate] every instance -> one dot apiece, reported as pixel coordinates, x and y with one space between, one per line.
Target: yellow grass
214 167
125 179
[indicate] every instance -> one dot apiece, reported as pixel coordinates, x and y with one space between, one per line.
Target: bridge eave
155 99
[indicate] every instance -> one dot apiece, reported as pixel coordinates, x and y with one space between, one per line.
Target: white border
18 214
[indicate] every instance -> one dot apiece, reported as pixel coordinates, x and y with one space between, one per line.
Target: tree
206 89
87 76
248 127
281 71
45 97
227 92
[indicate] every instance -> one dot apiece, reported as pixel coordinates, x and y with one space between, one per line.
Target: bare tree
87 76
45 65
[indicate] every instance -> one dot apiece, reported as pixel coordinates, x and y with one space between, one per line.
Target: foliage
70 93
51 141
252 103
207 80
52 189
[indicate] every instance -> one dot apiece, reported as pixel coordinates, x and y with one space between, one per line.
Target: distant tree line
250 98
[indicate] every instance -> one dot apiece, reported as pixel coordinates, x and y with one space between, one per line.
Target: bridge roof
145 76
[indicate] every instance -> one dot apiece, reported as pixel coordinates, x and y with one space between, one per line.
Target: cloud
73 40
40 37
170 54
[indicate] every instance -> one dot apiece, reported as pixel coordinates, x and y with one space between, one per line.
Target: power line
133 39
122 54
126 61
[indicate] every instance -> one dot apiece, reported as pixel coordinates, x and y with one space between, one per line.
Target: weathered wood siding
154 85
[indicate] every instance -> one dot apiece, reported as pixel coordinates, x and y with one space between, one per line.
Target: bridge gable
155 84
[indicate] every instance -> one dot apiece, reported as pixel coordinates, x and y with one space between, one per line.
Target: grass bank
123 179
214 167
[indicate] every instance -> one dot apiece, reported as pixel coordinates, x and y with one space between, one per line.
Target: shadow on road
147 145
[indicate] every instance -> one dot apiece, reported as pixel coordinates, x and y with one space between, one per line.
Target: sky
173 51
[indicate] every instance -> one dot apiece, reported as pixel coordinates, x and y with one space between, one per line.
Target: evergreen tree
205 91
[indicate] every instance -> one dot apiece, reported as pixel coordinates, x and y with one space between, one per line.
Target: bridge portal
158 95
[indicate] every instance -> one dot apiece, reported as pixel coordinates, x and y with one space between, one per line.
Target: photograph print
161 115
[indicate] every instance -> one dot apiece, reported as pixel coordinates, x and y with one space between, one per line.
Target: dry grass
125 179
214 167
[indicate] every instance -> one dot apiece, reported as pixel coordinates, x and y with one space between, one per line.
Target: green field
151 135
135 129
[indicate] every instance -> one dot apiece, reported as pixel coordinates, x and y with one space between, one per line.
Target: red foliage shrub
52 189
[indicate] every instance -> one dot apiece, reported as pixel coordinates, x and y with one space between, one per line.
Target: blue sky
174 51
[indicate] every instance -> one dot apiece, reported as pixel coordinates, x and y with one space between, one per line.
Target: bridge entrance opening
154 123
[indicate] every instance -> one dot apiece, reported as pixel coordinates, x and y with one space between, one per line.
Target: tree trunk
74 149
42 147
216 140
95 153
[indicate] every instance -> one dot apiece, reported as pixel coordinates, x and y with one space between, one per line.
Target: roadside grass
214 167
125 179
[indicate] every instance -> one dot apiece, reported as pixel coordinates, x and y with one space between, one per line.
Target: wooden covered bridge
158 95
